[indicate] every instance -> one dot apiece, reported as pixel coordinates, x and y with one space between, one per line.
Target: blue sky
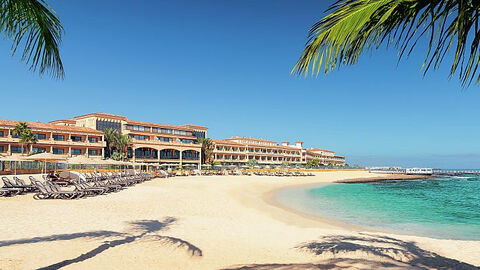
226 65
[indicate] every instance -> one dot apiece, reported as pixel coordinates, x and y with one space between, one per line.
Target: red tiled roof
194 127
134 122
227 142
231 142
37 125
103 115
251 139
68 121
141 123
319 149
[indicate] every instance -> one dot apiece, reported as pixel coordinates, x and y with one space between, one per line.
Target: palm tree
111 138
122 143
28 138
32 24
24 132
207 150
20 128
355 26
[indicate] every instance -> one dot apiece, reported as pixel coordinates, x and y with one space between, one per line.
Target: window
146 153
76 152
2 148
39 149
92 140
58 151
2 134
58 137
138 128
76 138
187 141
180 132
198 134
40 136
164 139
102 125
16 149
140 137
93 152
166 131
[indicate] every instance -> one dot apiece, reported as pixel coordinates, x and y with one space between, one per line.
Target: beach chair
22 183
12 186
59 193
89 190
51 191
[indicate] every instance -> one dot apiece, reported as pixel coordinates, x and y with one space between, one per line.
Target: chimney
285 143
299 144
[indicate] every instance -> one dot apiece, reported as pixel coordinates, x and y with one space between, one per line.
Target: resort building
156 143
325 157
64 140
239 150
152 142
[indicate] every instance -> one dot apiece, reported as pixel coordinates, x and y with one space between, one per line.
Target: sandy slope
204 223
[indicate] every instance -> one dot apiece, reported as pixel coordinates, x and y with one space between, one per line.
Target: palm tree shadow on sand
145 230
382 251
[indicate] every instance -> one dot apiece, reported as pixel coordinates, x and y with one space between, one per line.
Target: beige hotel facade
156 143
239 150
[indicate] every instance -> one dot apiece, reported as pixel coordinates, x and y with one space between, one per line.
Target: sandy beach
207 222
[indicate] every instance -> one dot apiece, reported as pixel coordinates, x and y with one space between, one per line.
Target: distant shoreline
383 178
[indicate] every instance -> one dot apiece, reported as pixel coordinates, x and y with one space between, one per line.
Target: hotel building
156 143
151 142
325 157
239 150
64 140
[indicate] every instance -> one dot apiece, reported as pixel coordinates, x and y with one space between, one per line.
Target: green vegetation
356 26
207 150
27 138
252 162
118 156
117 144
32 24
313 163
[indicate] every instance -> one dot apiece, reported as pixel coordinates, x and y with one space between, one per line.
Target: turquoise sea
446 208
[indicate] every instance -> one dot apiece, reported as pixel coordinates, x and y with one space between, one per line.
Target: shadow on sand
382 252
145 230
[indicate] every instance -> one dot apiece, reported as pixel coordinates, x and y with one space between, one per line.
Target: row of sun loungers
283 174
79 185
14 186
258 173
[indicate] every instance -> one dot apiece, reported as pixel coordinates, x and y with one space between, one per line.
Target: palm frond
355 26
32 24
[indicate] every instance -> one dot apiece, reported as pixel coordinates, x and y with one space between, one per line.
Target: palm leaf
32 24
355 26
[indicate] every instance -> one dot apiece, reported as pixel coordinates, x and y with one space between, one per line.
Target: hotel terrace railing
163 142
166 158
258 152
67 142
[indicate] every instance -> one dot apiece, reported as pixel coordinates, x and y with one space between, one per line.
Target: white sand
209 222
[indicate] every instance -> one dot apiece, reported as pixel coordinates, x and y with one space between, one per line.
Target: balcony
54 142
158 142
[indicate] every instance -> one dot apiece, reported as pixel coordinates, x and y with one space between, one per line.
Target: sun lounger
12 186
50 190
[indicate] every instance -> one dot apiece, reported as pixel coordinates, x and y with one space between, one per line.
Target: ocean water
447 208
